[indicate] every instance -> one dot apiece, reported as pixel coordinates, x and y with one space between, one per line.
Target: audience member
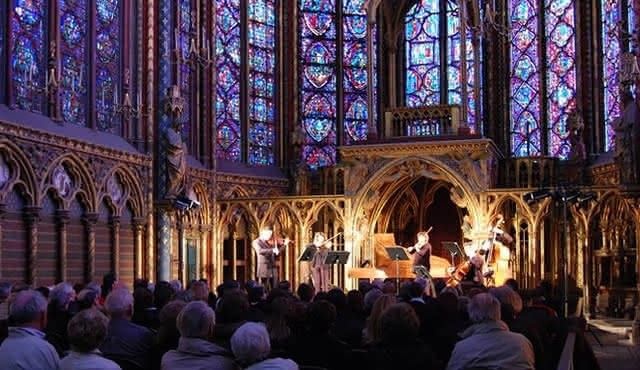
371 334
144 313
86 331
87 298
25 347
58 316
162 294
370 299
232 312
251 346
196 324
200 291
276 323
399 346
351 320
257 303
305 293
488 343
168 335
107 285
125 340
5 293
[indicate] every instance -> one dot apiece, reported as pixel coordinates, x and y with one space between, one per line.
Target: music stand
307 254
454 250
337 258
397 254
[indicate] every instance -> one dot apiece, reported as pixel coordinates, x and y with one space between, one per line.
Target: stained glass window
107 66
561 72
425 81
28 54
229 135
355 71
318 101
3 10
262 64
525 79
73 48
186 40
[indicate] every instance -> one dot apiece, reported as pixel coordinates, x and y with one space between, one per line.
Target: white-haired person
251 345
195 323
86 331
58 315
125 340
488 343
25 348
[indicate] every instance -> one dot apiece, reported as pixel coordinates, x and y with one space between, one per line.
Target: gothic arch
313 215
84 185
278 207
228 216
132 191
20 172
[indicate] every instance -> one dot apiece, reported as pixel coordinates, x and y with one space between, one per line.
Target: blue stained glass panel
355 78
73 48
611 52
186 36
28 54
107 65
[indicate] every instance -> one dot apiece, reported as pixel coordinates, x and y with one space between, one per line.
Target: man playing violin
267 250
319 269
422 250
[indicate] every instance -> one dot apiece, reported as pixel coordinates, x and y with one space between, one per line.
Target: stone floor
610 341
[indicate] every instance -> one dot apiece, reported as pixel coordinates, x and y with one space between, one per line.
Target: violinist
422 250
267 251
319 269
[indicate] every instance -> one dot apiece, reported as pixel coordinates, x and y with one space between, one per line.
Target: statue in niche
357 174
62 181
626 128
575 128
176 161
299 168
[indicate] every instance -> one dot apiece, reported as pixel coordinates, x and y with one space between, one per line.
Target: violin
275 241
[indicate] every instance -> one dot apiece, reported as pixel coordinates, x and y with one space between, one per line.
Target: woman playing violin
319 269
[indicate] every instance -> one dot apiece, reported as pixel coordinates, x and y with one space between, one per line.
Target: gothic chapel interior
156 138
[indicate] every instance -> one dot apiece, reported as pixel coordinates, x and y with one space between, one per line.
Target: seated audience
162 295
144 313
276 323
196 324
305 293
107 285
488 343
399 346
25 347
58 316
257 303
232 312
168 335
125 340
87 298
251 346
86 331
5 292
370 333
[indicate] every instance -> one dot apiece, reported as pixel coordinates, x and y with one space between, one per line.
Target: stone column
138 229
205 262
90 220
635 331
181 254
32 217
115 243
62 217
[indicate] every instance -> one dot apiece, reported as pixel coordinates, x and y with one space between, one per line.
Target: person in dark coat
319 269
267 254
422 251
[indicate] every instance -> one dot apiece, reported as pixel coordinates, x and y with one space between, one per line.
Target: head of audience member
373 321
398 324
321 316
364 287
389 287
250 284
183 295
276 293
285 285
276 320
78 287
297 316
233 307
448 302
255 294
507 296
5 291
162 294
355 302
42 290
142 299
107 283
200 291
415 290
87 330
483 307
61 296
29 310
119 304
370 299
168 331
196 320
140 283
338 299
321 296
250 344
513 284
95 287
176 285
87 298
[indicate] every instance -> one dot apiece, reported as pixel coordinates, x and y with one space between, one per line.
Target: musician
475 274
422 250
267 251
319 269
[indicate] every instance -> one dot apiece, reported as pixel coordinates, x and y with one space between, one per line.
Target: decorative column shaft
138 229
115 243
181 262
32 217
90 220
62 217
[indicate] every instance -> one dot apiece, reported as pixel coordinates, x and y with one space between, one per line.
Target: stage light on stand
537 195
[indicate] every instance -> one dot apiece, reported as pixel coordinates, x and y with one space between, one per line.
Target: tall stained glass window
262 74
73 48
228 63
355 71
426 83
185 25
3 10
28 54
527 89
107 65
617 17
333 78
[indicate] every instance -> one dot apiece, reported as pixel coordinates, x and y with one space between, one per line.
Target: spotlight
585 197
184 203
537 195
